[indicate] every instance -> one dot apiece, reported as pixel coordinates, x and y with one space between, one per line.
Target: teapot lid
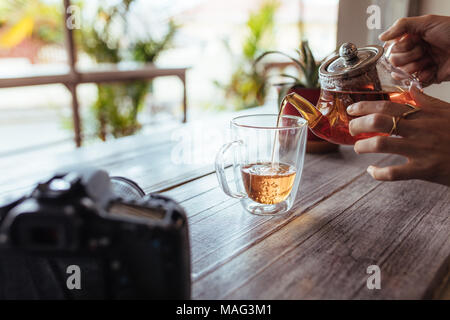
350 62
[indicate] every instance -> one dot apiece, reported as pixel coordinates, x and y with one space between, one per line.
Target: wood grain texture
324 252
220 228
444 292
150 159
342 222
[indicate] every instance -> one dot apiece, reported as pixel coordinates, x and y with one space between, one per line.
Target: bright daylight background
40 116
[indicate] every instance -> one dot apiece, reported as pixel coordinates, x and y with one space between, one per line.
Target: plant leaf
303 48
276 52
17 33
290 76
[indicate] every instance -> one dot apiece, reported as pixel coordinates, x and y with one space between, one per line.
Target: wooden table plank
324 252
146 158
443 294
268 247
342 222
25 171
221 229
420 262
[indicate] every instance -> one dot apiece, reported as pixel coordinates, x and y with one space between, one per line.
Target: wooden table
343 222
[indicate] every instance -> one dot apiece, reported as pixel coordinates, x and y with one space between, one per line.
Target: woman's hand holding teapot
422 47
423 137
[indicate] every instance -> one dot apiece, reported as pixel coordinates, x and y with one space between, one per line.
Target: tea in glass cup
268 154
268 183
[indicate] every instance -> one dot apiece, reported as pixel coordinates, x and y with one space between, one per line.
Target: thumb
422 100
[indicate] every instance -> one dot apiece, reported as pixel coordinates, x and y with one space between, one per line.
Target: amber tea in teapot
354 75
341 100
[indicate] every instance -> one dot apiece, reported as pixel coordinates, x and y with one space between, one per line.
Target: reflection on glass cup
267 162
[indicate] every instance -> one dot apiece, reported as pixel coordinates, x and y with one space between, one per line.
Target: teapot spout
306 108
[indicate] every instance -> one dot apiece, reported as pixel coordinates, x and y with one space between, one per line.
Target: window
42 115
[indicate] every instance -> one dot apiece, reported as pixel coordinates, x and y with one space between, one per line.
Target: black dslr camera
84 235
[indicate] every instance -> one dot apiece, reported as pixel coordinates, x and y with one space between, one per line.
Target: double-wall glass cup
267 162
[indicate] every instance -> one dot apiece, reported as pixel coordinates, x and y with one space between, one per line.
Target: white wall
440 7
352 22
352 19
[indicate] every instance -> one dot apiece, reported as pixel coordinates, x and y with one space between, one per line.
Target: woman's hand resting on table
424 137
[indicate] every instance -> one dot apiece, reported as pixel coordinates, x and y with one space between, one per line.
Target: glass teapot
353 75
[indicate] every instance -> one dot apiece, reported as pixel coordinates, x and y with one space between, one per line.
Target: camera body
126 245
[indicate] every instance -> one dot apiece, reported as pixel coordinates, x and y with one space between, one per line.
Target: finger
427 76
442 74
383 144
392 173
425 101
416 66
402 26
403 58
405 44
399 74
381 123
389 108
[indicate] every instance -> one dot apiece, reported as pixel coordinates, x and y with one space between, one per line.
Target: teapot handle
396 72
388 48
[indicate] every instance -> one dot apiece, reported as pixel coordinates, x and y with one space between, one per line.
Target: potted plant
305 84
118 104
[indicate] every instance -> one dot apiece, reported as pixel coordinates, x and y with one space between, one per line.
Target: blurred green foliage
308 76
306 64
148 50
117 106
247 87
36 19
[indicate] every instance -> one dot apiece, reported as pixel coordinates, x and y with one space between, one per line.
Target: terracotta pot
314 144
